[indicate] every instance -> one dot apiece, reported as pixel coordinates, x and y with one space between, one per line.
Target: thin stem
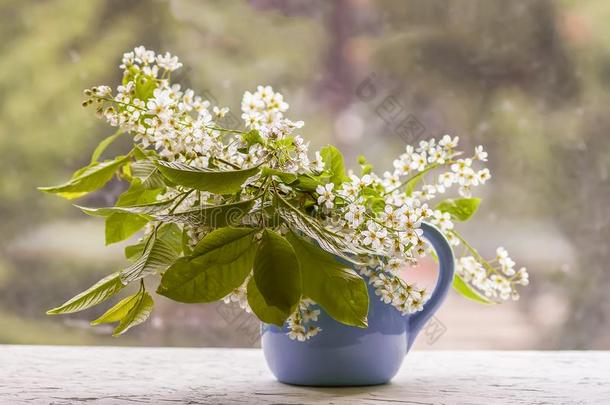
186 194
404 183
234 131
214 128
389 228
474 252
226 162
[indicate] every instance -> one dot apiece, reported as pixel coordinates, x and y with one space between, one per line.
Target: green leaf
287 178
328 240
266 313
158 254
87 179
307 182
132 252
252 137
99 292
191 281
365 167
416 179
169 232
145 86
214 181
333 163
413 182
122 225
148 173
172 234
464 289
220 263
225 244
138 313
339 290
461 209
101 147
141 209
276 272
216 216
118 311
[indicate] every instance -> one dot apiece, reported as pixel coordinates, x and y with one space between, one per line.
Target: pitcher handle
445 279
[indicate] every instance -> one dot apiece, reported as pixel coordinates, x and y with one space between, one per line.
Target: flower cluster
377 213
496 278
263 108
392 289
300 322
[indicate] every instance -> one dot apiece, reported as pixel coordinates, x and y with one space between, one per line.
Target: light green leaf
328 240
172 234
118 311
252 137
158 254
365 167
333 163
308 182
220 263
461 209
99 292
148 173
266 313
101 147
137 194
413 182
464 289
416 179
138 313
141 209
87 179
216 216
168 232
122 225
339 290
214 181
287 178
276 272
132 252
224 245
145 86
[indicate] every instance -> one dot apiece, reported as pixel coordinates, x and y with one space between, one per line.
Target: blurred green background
527 79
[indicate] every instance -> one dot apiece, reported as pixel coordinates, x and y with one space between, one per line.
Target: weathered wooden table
75 375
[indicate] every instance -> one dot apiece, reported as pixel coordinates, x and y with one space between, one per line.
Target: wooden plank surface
111 375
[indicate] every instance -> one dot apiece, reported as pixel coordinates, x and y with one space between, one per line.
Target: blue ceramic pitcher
344 355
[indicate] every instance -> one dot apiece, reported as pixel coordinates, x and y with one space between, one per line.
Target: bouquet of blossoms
249 216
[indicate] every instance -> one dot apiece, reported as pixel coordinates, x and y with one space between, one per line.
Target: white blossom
326 195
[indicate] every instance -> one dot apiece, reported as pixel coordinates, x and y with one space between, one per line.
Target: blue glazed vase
343 355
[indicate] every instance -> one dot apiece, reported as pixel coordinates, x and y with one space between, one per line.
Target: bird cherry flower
355 215
442 220
168 62
326 195
374 235
220 112
418 161
480 154
449 143
391 216
361 182
317 164
483 175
